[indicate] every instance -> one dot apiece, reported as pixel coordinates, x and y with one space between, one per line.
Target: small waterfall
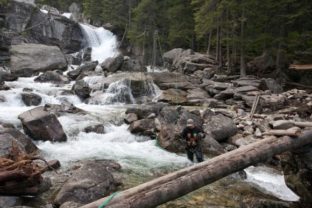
127 91
119 92
103 42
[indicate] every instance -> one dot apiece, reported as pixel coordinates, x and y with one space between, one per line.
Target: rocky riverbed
107 124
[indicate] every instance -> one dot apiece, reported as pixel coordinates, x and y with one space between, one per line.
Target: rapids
135 153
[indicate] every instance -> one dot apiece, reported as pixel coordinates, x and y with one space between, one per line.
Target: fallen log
293 132
12 174
179 183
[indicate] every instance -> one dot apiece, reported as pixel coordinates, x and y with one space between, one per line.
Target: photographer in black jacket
193 136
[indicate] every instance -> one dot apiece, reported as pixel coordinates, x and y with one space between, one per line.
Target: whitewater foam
271 182
103 42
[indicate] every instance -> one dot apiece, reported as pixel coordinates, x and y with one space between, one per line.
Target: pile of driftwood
20 174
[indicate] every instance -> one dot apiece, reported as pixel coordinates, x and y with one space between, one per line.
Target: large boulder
170 124
187 61
113 64
91 181
40 124
30 59
197 96
10 136
262 64
167 80
173 96
131 65
46 28
219 126
53 77
145 127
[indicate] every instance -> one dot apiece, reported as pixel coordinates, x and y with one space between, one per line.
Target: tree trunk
242 45
209 42
228 52
220 49
217 46
182 182
129 14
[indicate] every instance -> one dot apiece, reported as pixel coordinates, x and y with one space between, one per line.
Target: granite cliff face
29 24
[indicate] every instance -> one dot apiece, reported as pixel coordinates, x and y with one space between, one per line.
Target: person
193 135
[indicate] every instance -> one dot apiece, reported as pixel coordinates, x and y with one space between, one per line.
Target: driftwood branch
293 132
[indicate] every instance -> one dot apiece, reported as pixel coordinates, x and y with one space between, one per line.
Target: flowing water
103 42
106 107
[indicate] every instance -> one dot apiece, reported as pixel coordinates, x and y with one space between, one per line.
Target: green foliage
268 24
3 2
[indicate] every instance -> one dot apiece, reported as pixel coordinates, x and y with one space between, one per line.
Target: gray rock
53 77
50 9
71 204
262 64
88 66
272 85
113 64
245 89
216 85
31 99
24 59
186 61
131 117
173 96
10 201
74 74
225 94
170 124
92 181
9 134
99 129
143 111
247 81
7 76
197 96
50 29
2 99
23 143
4 88
145 127
219 126
130 65
40 124
167 80
81 89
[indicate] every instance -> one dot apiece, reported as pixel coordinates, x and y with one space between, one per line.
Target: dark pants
190 151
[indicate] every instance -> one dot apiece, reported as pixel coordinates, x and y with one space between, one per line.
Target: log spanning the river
179 183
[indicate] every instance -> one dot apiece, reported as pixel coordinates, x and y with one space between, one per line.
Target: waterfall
103 42
126 91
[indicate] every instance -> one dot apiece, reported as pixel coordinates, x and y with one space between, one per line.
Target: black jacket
192 136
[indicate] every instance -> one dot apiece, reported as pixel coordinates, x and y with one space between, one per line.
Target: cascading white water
133 152
121 92
273 183
103 42
118 92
